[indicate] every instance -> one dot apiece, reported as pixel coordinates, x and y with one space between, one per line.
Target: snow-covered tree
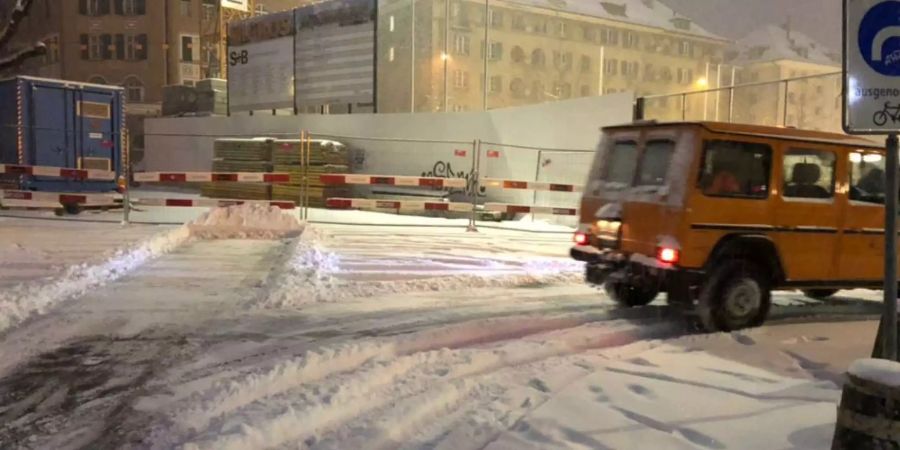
10 59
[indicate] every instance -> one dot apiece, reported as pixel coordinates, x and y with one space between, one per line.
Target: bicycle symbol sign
872 66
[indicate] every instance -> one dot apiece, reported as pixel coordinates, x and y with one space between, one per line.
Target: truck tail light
581 238
668 255
121 185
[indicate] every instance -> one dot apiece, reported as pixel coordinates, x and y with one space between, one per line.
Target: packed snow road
385 337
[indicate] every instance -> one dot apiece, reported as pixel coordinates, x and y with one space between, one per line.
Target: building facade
540 50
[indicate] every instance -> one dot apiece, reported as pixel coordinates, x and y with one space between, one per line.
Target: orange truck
718 215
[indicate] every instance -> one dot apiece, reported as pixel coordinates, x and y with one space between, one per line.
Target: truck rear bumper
610 265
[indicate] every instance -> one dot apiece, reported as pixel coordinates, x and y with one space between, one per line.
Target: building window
189 48
611 66
562 90
517 87
562 30
496 18
685 48
538 59
648 72
90 47
630 69
496 51
460 78
496 84
461 44
537 90
609 37
96 79
93 7
134 90
685 76
562 61
589 33
518 55
585 64
138 7
631 40
52 55
185 8
519 23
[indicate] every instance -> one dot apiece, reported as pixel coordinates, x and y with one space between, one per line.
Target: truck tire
630 296
737 295
820 294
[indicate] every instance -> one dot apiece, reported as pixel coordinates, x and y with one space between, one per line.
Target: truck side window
655 163
735 169
867 177
621 163
809 174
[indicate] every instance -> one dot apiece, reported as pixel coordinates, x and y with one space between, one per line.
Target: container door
96 130
51 135
809 214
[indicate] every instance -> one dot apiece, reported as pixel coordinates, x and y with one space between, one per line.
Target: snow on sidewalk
332 263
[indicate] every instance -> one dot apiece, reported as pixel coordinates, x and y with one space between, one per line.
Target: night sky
820 19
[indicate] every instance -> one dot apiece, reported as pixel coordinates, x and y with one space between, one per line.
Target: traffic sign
871 66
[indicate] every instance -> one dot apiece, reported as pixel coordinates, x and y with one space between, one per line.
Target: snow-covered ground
388 336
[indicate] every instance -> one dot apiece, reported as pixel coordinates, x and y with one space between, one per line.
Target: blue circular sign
879 38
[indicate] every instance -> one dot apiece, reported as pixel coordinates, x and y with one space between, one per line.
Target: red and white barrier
208 202
55 199
58 172
211 177
403 205
530 185
521 209
433 182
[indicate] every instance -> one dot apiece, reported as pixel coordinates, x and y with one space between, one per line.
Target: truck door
95 130
808 215
52 136
862 245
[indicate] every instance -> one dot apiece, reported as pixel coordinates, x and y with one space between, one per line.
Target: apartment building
539 50
771 53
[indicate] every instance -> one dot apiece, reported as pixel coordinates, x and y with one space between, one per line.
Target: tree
12 59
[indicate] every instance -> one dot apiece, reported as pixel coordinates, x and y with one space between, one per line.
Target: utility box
60 123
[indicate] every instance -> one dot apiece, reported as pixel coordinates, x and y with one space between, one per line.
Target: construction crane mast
217 14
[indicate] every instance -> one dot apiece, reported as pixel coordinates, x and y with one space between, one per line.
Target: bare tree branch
17 58
18 13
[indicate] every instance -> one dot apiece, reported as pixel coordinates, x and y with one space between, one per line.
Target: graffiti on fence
443 169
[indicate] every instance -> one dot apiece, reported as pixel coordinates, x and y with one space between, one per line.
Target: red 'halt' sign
460 153
493 153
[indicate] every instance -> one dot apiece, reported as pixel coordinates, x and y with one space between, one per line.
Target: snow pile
28 299
312 277
880 371
246 221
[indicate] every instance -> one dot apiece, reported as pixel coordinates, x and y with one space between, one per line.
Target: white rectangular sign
871 66
261 75
240 5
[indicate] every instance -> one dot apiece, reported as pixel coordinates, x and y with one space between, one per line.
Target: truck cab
718 215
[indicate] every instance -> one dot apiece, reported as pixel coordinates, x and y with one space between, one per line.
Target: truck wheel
820 294
736 296
631 296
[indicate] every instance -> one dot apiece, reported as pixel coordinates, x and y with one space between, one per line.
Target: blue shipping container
61 123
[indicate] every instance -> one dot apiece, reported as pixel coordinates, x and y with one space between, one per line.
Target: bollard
869 414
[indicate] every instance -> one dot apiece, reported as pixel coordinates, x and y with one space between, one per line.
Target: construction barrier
335 179
530 185
211 177
400 205
521 209
58 172
208 202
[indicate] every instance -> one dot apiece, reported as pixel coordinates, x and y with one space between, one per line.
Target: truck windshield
621 163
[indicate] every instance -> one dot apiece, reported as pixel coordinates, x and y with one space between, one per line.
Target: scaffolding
214 35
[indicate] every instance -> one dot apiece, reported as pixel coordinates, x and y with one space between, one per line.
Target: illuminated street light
445 57
702 83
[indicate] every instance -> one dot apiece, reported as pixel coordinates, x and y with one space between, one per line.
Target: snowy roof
773 43
651 13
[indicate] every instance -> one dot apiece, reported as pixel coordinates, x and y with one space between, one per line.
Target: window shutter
141 51
104 7
120 46
82 7
85 51
105 44
118 7
141 7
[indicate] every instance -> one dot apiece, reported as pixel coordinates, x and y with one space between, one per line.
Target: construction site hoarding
260 63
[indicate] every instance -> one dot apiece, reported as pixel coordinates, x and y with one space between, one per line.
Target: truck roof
792 134
80 84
